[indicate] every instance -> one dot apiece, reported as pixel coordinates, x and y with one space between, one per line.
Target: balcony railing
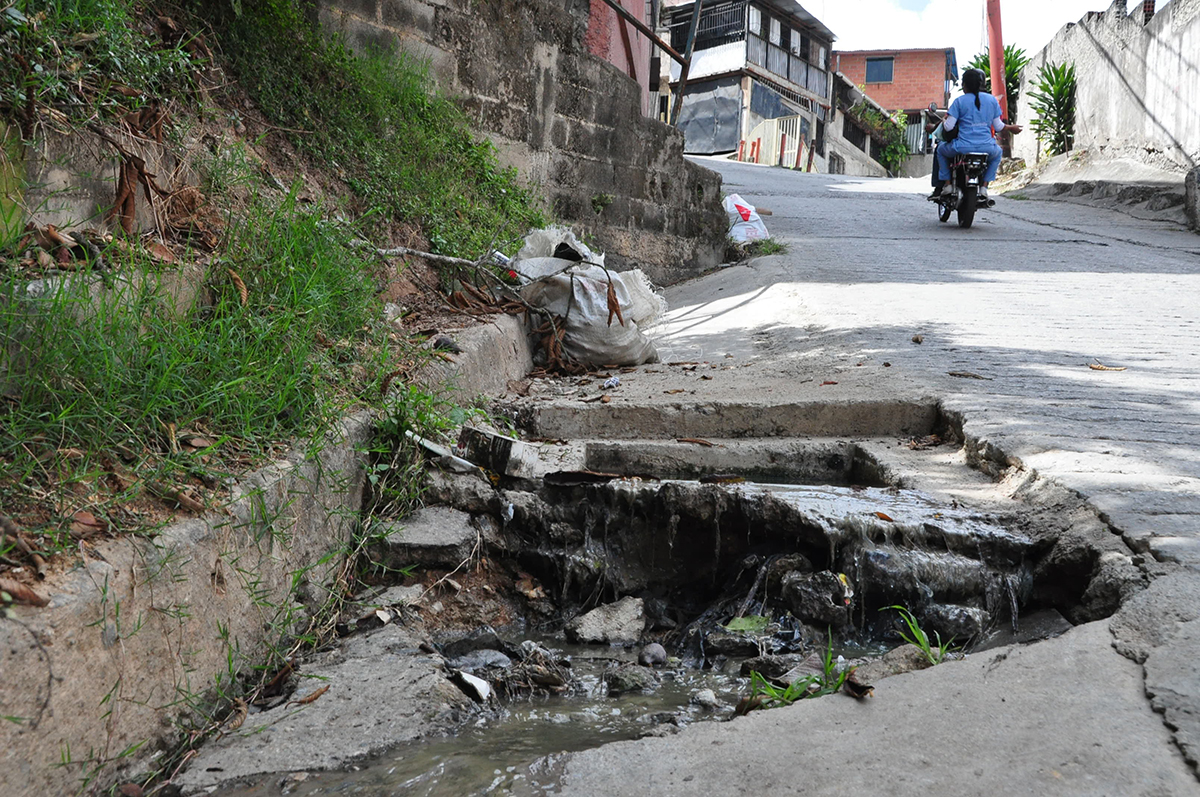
788 66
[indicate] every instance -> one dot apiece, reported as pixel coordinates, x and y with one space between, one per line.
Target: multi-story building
753 60
903 80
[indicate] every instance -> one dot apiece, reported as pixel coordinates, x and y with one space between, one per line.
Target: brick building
901 80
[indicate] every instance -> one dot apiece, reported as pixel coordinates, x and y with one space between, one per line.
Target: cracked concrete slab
996 723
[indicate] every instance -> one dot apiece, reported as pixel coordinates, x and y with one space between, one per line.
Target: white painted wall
1138 86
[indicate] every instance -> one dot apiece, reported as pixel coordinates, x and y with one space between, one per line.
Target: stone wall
570 122
1138 93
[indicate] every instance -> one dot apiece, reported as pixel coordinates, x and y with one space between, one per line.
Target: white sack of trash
744 221
567 279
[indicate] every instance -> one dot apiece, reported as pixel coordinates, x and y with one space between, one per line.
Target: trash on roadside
611 382
744 222
496 452
595 313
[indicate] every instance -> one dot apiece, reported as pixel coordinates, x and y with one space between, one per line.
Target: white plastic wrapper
744 222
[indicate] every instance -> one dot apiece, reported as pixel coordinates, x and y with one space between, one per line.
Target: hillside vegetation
119 407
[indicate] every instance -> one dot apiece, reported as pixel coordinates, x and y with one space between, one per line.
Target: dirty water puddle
513 749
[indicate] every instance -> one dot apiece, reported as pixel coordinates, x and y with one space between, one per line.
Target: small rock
776 570
630 678
905 658
446 343
653 655
729 643
955 622
616 623
817 598
705 698
480 660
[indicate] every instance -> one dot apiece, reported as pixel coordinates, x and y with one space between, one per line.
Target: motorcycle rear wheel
966 206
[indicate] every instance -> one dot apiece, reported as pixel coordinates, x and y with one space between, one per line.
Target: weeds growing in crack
913 634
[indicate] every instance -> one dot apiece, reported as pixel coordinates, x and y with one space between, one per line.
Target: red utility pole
996 51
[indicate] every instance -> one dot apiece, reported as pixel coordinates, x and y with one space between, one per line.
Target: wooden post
741 149
799 152
758 150
782 147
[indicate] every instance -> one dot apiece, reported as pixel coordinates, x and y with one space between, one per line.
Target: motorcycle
967 171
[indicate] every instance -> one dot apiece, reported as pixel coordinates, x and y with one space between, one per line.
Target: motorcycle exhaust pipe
990 202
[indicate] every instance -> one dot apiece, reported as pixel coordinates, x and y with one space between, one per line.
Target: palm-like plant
1053 100
1015 60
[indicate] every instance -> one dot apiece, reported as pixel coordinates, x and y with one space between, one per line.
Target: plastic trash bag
744 222
565 278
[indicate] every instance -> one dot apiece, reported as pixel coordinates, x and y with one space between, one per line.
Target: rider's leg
944 151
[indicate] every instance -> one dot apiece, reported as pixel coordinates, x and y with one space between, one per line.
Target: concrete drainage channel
733 553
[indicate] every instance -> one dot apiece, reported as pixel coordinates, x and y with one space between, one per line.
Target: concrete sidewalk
1000 322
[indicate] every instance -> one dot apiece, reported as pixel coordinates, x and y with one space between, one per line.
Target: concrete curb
1146 201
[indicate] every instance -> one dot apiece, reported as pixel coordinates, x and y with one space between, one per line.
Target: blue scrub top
975 124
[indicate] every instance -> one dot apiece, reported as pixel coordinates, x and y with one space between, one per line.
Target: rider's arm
998 124
949 123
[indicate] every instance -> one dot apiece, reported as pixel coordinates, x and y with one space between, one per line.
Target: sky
898 24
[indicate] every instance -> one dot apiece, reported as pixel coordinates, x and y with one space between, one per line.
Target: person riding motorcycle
975 115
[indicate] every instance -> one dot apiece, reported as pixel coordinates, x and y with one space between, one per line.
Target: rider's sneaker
983 192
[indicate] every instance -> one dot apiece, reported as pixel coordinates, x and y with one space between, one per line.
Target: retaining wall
1138 91
140 629
570 122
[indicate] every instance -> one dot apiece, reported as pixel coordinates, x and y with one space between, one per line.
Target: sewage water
515 752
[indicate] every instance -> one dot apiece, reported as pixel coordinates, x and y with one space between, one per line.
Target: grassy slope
108 374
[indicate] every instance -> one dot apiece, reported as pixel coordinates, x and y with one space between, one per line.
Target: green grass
405 150
765 694
913 634
766 246
73 56
102 369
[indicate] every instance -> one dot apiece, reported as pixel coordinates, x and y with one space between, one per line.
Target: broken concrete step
771 459
435 536
618 421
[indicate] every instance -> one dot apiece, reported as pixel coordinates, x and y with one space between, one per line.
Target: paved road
1026 299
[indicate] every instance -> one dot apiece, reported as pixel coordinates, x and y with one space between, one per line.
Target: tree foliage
1015 61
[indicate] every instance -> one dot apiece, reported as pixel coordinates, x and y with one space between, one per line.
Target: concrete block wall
1138 86
570 122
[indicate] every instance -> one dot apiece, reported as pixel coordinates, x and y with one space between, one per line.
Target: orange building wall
603 39
918 77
